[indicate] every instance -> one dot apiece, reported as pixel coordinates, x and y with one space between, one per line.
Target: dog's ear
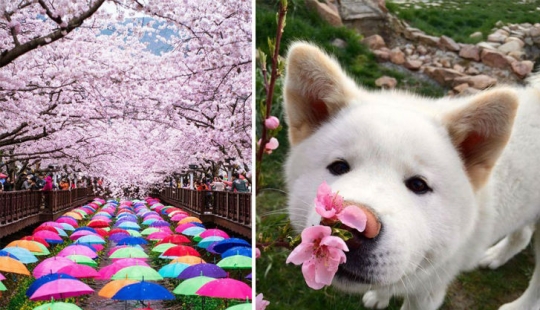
480 130
315 89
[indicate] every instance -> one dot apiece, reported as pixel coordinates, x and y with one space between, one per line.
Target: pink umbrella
51 265
79 271
2 277
107 272
52 224
225 288
214 232
68 220
178 217
78 250
47 235
76 235
182 227
158 235
61 288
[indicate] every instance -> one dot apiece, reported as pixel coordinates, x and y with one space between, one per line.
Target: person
201 186
64 185
26 184
218 184
40 182
8 185
239 185
33 184
48 184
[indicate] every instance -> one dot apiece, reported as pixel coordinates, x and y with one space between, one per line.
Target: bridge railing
15 206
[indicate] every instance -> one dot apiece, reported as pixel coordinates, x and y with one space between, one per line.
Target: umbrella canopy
79 271
51 265
137 273
2 277
61 288
237 250
180 250
36 239
189 219
90 239
160 248
177 239
149 230
214 232
31 246
191 286
107 272
129 225
49 236
83 260
2 287
193 231
209 270
236 262
225 288
81 233
98 224
191 260
226 244
58 306
46 278
143 291
78 250
129 252
206 242
172 270
111 288
160 235
11 265
132 241
22 254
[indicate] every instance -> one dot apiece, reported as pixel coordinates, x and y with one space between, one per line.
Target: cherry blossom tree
81 86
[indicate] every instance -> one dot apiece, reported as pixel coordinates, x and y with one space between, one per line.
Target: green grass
458 19
282 284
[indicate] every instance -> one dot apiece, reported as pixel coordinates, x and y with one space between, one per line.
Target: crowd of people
35 183
238 184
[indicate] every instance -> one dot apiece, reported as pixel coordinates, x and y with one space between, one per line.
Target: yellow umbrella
31 246
113 287
188 259
74 215
189 219
8 264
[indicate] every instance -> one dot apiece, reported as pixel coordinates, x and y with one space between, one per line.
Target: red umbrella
102 232
181 250
176 239
47 228
98 223
117 230
36 239
3 176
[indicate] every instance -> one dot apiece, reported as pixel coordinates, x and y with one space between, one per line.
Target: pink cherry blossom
260 303
272 122
320 255
330 206
272 144
257 253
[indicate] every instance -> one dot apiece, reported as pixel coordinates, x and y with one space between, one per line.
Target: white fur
389 136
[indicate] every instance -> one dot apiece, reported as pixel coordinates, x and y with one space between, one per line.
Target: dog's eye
339 167
417 185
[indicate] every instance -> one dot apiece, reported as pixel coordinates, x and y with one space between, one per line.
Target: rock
518 40
522 68
476 35
529 41
442 75
518 55
374 42
426 39
472 71
326 12
448 44
445 62
412 64
510 59
499 24
511 46
422 50
488 45
470 52
481 81
382 55
461 87
496 37
469 91
494 59
534 31
458 68
339 43
397 56
386 82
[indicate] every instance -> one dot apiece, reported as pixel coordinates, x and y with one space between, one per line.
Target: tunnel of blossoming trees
122 99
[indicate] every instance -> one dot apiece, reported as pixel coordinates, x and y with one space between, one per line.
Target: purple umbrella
159 224
208 270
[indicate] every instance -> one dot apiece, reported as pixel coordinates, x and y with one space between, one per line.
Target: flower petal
324 273
300 254
309 272
353 217
324 212
335 242
310 234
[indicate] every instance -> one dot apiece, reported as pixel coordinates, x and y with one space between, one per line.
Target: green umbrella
235 262
197 238
44 250
247 306
160 248
2 286
58 306
149 230
190 286
83 260
81 212
129 252
137 273
134 233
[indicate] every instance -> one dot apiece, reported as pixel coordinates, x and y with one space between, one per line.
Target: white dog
444 179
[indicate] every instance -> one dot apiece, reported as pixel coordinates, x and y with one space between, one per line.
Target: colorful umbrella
107 272
111 288
81 233
90 239
190 219
193 231
236 262
226 244
143 291
160 248
172 270
61 288
45 279
160 235
2 287
11 265
79 271
137 273
149 230
49 236
58 306
36 239
83 260
132 241
206 242
22 254
237 250
191 286
225 288
209 270
31 246
179 250
51 265
129 252
78 250
177 239
191 260
246 306
214 232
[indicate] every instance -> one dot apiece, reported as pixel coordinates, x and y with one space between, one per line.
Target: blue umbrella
143 291
61 232
208 270
4 253
130 225
131 241
45 279
172 270
204 243
67 226
198 224
226 244
193 231
237 250
91 239
22 254
249 276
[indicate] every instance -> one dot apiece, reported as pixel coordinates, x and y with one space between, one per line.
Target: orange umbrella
189 219
111 288
188 259
9 264
27 244
74 215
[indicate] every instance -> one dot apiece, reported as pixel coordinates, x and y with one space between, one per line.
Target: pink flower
272 144
272 122
320 255
330 206
257 253
260 303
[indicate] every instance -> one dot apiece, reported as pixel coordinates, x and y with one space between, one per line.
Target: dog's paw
376 300
497 255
